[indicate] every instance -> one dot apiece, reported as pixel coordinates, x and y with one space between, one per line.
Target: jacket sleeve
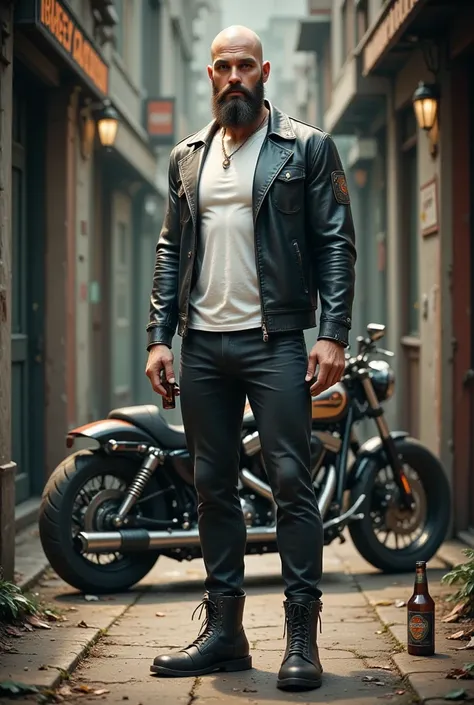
164 294
333 241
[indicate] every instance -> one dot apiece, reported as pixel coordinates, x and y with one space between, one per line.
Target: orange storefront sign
392 22
61 25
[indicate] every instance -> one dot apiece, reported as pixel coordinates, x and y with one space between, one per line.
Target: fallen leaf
383 603
72 609
14 631
43 667
400 603
83 624
28 627
82 688
470 645
460 674
102 691
15 688
250 690
91 598
455 613
400 692
372 679
65 690
457 635
35 622
382 668
456 695
160 614
54 617
379 631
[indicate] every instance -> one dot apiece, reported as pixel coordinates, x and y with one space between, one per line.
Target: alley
362 641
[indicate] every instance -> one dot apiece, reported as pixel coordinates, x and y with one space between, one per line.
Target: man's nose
234 77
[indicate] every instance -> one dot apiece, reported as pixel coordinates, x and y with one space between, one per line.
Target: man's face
238 79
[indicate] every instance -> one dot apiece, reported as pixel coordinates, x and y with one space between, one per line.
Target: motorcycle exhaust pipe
130 540
251 444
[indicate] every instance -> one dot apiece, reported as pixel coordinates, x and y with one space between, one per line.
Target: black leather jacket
304 234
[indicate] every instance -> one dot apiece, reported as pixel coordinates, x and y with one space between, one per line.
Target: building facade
412 201
79 219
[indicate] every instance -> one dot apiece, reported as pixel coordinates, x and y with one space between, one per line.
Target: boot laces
210 621
298 621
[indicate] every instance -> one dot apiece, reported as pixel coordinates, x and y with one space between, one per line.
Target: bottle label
421 628
420 577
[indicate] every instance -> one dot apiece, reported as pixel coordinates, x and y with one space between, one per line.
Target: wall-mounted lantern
106 118
426 104
107 125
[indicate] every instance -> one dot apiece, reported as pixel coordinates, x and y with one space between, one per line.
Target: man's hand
330 357
160 357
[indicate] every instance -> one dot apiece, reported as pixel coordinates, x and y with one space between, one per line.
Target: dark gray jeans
217 371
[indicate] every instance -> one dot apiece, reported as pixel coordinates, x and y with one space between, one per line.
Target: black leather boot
301 668
220 646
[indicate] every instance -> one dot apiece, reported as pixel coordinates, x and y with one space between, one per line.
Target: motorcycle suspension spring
139 483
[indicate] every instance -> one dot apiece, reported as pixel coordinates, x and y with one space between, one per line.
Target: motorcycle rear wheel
433 500
60 520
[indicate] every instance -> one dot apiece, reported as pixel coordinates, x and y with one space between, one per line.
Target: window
348 29
124 29
362 19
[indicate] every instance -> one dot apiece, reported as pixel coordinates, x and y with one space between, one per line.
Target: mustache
237 87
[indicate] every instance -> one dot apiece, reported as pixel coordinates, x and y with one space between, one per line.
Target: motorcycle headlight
383 379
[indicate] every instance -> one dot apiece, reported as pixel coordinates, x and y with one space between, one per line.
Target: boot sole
298 683
241 664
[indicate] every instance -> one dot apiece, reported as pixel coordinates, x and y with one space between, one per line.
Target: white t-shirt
226 295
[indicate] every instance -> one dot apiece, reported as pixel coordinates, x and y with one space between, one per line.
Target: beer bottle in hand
421 616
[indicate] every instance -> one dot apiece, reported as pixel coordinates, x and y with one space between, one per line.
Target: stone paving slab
125 653
359 639
41 657
427 676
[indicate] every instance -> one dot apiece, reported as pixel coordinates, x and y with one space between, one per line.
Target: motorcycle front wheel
81 493
393 539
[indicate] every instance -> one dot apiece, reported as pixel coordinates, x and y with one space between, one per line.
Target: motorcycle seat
148 418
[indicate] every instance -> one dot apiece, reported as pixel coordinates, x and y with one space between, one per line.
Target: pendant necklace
227 157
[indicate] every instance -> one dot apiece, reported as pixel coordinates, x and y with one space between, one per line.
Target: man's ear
265 71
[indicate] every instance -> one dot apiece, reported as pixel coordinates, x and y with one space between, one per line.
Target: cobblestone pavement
362 642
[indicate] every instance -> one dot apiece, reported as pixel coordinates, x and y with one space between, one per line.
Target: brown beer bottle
421 616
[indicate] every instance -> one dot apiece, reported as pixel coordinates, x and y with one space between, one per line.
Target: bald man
258 224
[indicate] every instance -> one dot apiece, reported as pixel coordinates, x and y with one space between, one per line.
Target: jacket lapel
189 172
190 166
272 158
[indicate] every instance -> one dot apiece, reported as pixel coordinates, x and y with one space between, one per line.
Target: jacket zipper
264 324
300 263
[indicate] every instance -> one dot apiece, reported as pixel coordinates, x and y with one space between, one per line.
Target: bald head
238 74
237 38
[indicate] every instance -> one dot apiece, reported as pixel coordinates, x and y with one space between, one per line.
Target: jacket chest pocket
287 192
184 211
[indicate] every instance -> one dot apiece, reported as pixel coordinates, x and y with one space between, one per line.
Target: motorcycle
126 495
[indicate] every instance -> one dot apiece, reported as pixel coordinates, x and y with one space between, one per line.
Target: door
409 286
469 376
27 331
19 330
121 300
